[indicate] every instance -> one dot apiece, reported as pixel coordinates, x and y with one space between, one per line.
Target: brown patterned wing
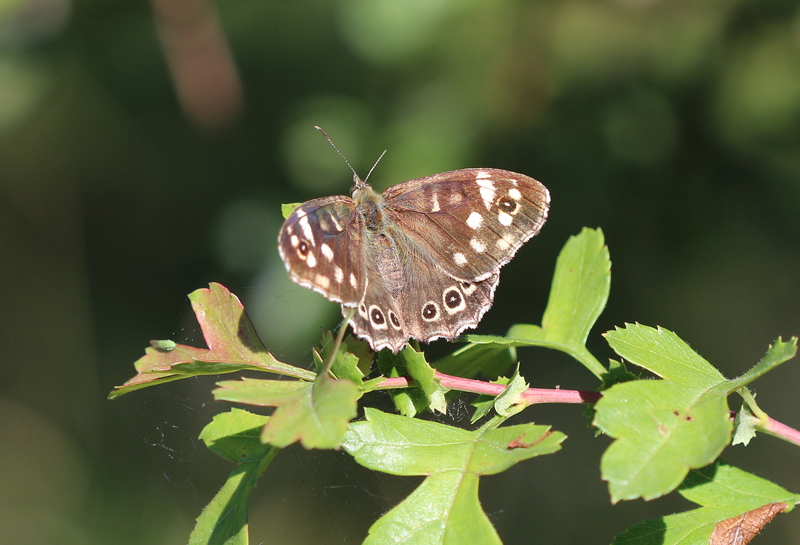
321 245
470 222
421 301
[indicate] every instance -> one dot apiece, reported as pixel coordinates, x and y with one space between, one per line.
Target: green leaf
776 354
233 345
314 413
664 428
412 401
731 499
578 295
484 403
352 361
744 427
445 508
663 353
424 375
510 401
287 209
235 436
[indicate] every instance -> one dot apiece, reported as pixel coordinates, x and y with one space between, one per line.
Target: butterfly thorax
369 205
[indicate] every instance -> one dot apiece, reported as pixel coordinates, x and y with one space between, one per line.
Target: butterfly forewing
472 221
321 245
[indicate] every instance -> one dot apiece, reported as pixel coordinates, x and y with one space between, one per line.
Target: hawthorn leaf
352 361
445 507
233 345
234 436
410 363
510 401
735 505
664 428
744 427
578 295
287 209
484 403
314 413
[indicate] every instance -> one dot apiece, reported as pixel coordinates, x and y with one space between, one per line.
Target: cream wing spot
435 207
514 193
504 219
502 244
307 231
459 258
323 281
311 261
294 241
474 220
482 175
468 287
327 252
338 274
488 197
477 245
336 223
352 280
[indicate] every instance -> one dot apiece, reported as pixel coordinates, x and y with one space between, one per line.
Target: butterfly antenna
357 180
373 166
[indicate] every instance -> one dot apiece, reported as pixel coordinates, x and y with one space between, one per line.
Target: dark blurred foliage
145 150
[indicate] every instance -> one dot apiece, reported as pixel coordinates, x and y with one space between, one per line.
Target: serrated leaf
578 296
314 413
445 508
510 401
352 361
408 401
234 436
233 345
663 353
776 354
424 375
664 428
617 374
744 427
484 403
732 499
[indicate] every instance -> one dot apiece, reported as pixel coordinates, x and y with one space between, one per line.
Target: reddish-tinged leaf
742 529
233 345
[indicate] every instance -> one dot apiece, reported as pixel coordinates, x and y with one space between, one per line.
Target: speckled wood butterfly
422 259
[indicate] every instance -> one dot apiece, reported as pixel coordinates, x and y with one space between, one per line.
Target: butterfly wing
470 222
408 295
316 232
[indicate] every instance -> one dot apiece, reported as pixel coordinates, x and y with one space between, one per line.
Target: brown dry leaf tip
742 529
519 443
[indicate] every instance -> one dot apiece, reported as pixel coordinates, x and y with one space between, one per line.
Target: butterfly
422 260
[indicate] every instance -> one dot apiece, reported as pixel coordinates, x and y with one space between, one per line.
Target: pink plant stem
775 428
531 395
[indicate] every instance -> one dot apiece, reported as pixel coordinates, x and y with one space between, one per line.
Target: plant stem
339 338
532 395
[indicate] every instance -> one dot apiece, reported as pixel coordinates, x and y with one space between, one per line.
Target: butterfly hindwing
472 221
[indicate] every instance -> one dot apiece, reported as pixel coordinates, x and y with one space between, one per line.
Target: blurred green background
145 149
